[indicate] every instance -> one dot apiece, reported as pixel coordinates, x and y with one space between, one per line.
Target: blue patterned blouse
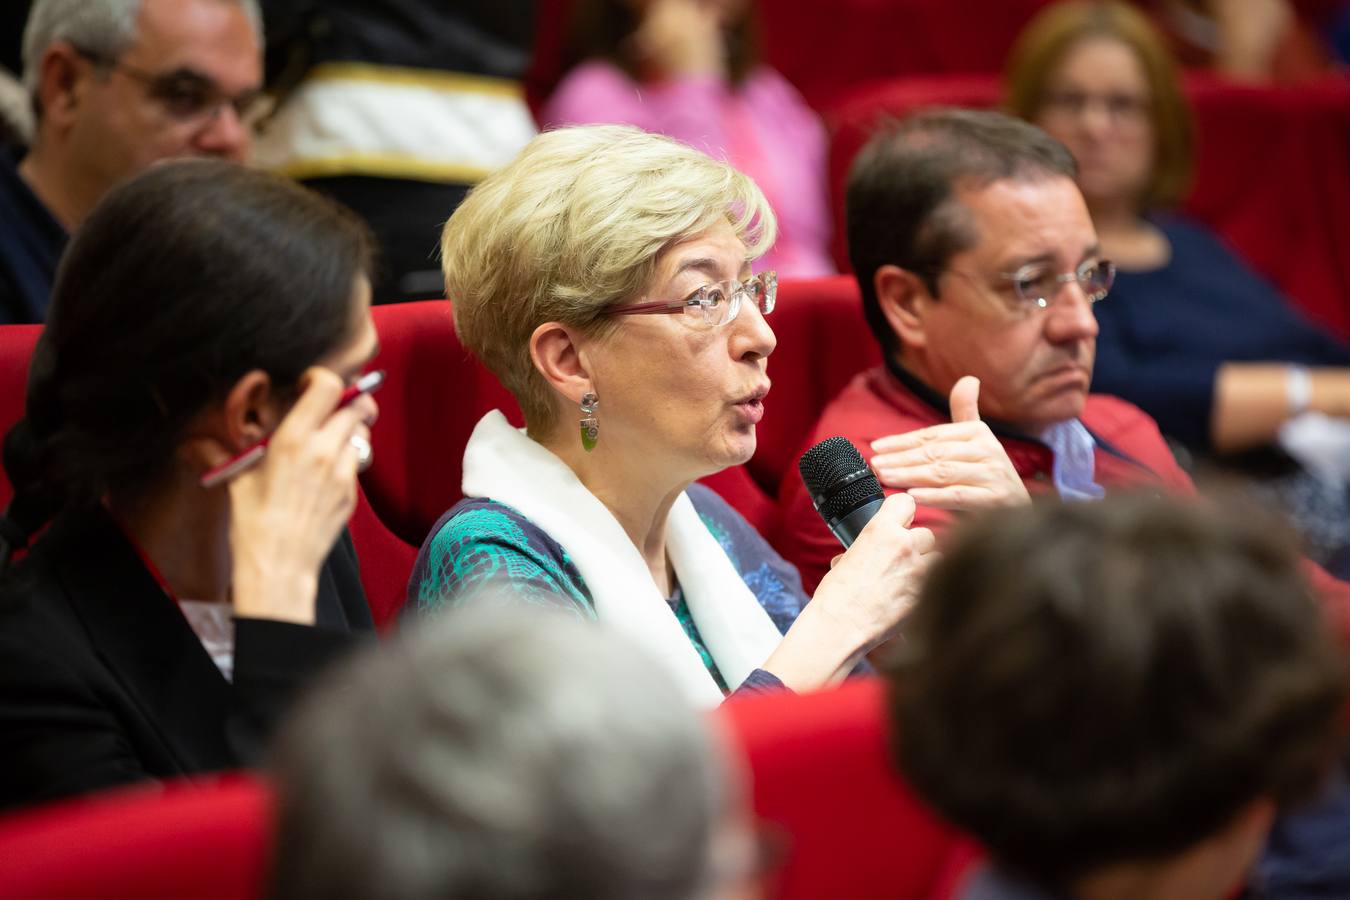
484 544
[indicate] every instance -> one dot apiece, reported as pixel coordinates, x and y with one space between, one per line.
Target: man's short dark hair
899 206
1096 683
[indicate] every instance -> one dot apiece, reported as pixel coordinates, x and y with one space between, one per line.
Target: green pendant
590 434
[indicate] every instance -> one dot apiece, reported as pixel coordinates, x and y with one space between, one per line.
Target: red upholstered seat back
433 396
204 842
827 49
1270 172
16 349
823 341
822 774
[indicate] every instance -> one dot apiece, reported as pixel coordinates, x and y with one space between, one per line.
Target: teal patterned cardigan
481 544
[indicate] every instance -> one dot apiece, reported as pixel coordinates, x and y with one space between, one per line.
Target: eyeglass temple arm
656 307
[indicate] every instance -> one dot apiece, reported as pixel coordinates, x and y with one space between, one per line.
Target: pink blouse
764 128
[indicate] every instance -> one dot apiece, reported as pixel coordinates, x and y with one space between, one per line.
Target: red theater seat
433 396
153 843
16 348
852 828
1270 172
828 49
436 392
823 341
820 772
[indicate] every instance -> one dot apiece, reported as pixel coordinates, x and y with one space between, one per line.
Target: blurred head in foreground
1118 696
507 753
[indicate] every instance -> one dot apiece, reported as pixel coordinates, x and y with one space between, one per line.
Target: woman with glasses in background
1192 335
605 277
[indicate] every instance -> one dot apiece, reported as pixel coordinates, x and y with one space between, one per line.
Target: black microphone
845 492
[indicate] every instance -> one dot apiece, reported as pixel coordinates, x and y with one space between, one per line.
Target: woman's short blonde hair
573 226
1043 45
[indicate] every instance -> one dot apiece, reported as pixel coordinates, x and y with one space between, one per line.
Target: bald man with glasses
117 85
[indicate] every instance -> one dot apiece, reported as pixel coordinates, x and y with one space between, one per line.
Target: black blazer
103 682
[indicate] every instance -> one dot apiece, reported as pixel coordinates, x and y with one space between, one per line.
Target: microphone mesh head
825 470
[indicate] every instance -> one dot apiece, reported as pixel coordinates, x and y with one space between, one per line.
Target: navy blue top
1165 332
31 243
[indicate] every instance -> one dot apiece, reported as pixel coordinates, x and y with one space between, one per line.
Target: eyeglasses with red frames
718 304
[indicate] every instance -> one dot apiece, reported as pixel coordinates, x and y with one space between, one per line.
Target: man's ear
63 76
558 352
904 300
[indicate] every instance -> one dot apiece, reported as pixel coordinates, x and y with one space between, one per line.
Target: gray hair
498 753
104 28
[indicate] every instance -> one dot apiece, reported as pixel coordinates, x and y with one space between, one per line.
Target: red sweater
1130 454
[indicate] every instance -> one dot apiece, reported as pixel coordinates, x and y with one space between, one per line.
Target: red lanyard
146 561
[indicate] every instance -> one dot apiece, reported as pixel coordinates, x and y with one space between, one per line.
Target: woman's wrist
817 650
281 593
1329 391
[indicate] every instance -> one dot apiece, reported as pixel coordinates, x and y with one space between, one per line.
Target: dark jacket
103 682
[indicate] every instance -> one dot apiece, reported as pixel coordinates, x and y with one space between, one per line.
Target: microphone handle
848 527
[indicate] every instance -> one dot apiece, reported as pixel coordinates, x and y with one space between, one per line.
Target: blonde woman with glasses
606 277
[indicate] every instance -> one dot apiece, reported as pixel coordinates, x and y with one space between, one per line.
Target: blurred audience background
1176 645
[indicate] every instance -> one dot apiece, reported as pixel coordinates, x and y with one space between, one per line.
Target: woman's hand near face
287 511
860 603
680 38
956 466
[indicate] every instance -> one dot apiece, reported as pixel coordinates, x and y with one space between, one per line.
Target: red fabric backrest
207 842
821 772
434 394
827 49
1273 177
16 349
1270 172
823 341
386 562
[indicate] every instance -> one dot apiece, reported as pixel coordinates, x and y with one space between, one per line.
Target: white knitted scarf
501 463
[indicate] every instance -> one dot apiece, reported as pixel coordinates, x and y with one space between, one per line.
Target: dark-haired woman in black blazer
158 627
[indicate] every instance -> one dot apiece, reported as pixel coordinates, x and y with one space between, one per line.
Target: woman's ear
558 353
250 411
904 299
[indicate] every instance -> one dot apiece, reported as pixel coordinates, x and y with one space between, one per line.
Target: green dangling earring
590 425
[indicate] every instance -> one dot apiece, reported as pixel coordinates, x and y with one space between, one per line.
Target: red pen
366 384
